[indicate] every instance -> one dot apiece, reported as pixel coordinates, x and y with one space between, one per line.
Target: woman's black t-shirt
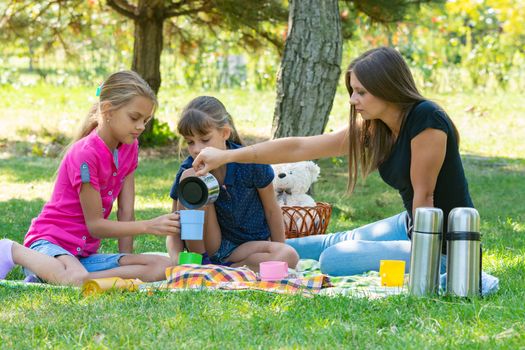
451 186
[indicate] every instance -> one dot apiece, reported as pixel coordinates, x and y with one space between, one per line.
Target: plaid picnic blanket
366 285
306 280
190 276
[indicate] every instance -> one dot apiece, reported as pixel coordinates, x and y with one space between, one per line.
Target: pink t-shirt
89 160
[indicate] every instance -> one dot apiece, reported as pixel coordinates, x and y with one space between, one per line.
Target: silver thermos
463 253
197 191
425 255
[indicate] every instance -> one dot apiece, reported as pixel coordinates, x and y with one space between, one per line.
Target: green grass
61 318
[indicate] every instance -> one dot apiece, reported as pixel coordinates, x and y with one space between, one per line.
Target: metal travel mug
197 191
425 255
463 253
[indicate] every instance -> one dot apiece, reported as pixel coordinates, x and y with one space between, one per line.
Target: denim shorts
225 250
92 263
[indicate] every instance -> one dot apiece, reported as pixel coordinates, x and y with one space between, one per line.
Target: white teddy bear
292 181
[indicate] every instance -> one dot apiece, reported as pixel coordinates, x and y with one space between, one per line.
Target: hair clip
99 88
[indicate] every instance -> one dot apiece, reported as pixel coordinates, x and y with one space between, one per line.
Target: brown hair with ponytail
203 114
117 90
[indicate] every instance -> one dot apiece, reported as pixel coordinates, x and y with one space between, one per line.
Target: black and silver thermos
425 255
463 253
197 191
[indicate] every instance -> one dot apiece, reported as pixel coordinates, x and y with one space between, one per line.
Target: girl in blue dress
244 226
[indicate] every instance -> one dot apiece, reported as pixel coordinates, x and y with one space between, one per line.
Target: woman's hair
203 114
383 73
118 89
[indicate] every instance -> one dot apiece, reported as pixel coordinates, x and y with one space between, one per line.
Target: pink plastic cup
273 270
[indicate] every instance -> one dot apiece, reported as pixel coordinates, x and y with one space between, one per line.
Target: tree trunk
310 69
31 56
148 45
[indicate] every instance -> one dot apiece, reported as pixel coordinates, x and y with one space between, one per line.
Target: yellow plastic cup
392 273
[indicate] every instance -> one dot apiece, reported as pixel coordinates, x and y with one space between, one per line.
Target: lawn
494 156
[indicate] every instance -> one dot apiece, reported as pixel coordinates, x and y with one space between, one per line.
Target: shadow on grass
494 162
50 144
29 169
16 217
497 185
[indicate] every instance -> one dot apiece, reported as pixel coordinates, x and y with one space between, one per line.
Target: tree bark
310 68
148 43
147 48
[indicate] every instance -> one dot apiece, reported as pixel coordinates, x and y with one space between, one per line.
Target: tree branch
23 9
175 11
58 34
124 8
279 45
387 11
5 18
45 8
174 6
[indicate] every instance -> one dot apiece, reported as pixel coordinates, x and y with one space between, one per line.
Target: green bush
160 135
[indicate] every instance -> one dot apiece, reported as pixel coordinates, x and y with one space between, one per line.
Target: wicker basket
306 221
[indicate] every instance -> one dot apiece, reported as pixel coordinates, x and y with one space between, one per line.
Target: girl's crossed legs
253 253
223 251
65 269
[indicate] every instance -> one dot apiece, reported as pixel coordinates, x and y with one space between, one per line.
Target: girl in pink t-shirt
61 244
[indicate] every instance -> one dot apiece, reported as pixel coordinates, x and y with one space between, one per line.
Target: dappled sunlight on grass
514 261
148 204
28 191
489 124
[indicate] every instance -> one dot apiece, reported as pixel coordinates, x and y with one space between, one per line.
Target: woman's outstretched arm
285 150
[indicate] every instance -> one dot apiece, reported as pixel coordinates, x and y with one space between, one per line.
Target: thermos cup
197 191
463 253
425 255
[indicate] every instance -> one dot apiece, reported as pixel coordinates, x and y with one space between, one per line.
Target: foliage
160 135
227 46
45 142
65 31
389 11
470 44
92 41
466 44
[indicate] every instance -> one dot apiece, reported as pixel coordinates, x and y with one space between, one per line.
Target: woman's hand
208 159
165 225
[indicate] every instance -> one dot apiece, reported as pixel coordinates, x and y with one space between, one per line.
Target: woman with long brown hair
394 129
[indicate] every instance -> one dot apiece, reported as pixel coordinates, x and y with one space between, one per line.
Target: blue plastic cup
191 224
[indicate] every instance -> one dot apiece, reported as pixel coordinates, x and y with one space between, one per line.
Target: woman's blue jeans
359 250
